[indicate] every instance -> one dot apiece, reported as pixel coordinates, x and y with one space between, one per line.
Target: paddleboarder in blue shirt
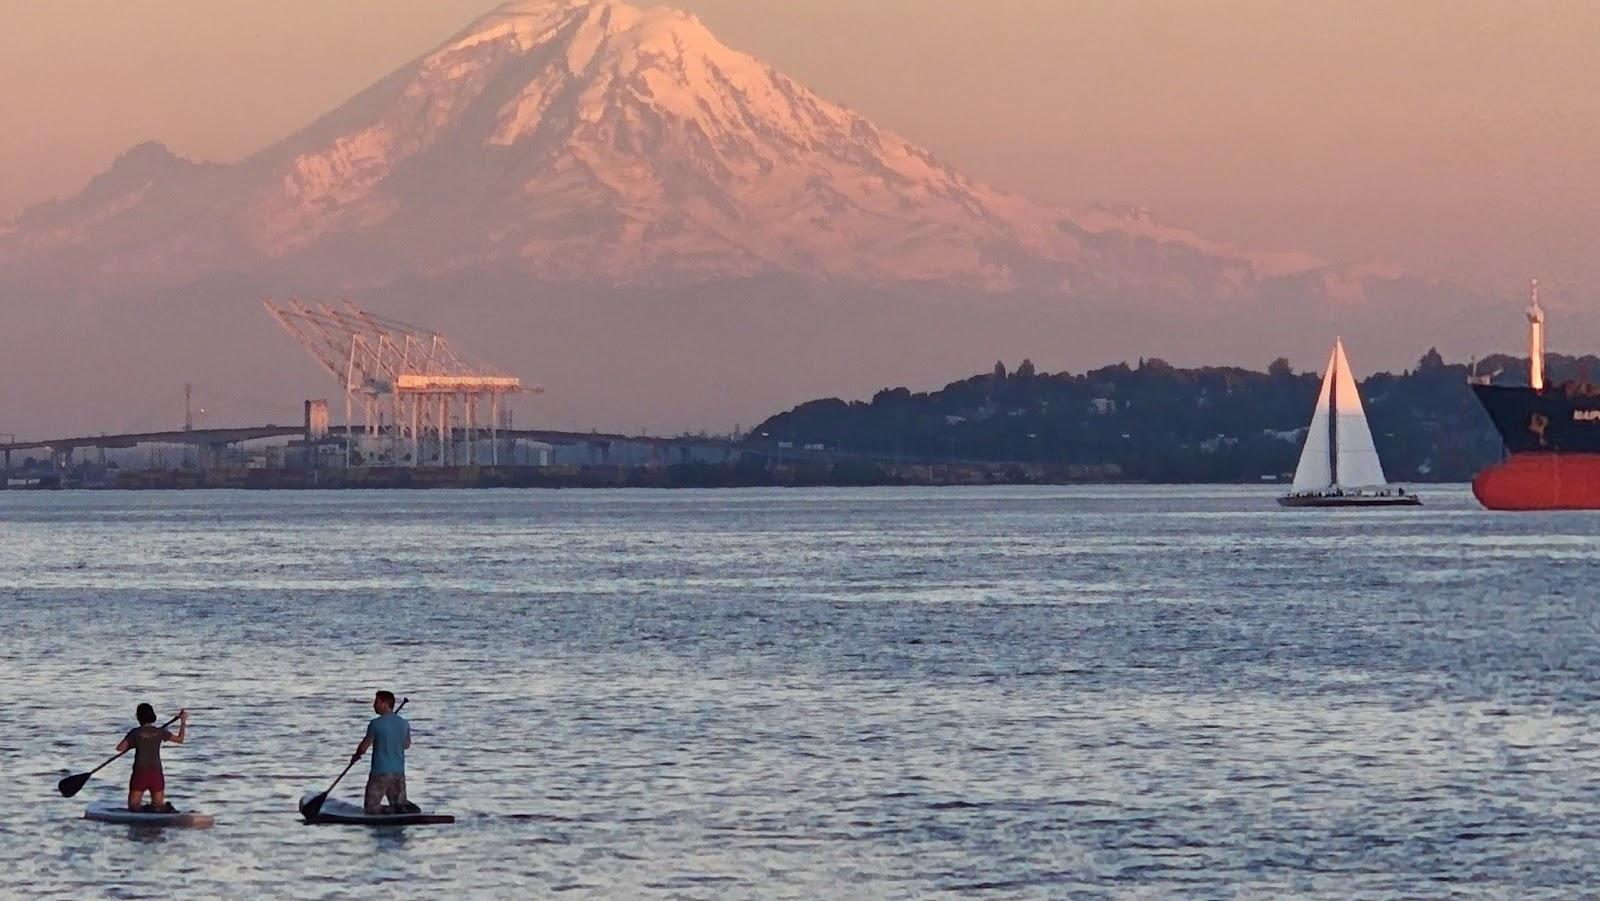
389 735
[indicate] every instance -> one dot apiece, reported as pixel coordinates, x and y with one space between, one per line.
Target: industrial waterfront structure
418 412
420 397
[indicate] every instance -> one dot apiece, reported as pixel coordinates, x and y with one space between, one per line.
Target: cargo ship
1551 435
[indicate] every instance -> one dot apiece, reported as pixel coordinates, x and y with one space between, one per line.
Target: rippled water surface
864 693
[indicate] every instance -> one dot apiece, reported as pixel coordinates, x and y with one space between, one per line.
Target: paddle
73 784
311 808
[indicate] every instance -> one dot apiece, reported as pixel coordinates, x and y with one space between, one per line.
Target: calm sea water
873 693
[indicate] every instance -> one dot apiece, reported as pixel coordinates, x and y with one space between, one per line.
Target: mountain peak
134 175
604 140
145 156
532 24
597 141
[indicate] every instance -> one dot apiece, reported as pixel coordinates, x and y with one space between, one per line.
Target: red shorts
147 781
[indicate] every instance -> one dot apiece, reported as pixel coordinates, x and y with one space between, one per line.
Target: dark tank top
146 742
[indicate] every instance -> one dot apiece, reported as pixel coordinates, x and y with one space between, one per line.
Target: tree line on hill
1158 422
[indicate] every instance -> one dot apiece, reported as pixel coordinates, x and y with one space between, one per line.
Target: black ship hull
1555 420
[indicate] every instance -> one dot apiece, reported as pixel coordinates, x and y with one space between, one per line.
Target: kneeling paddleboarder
146 740
388 735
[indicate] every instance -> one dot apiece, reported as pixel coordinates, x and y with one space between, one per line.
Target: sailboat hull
1350 500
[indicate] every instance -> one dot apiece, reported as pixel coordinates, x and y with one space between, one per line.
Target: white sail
1315 471
1356 463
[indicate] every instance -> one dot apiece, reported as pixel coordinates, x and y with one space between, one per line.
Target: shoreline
690 475
686 476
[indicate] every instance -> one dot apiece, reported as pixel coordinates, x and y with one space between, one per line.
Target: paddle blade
72 784
311 808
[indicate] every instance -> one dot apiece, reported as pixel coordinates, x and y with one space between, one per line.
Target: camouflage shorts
385 786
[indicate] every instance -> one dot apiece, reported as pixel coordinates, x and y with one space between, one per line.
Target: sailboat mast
1333 419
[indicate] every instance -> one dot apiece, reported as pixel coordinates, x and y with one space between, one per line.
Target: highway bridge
595 447
199 437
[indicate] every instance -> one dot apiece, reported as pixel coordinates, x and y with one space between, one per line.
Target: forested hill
1161 423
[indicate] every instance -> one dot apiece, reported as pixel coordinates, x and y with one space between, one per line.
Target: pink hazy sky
1460 139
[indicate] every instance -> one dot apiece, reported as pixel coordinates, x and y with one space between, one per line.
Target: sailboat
1339 465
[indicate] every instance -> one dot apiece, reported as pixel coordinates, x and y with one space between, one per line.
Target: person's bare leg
133 799
158 800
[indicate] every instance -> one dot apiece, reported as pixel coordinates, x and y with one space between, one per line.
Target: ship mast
1535 340
1333 413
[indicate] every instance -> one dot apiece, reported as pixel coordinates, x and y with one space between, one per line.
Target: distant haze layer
1457 140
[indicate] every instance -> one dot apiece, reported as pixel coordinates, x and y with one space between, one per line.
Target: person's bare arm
183 728
361 749
123 746
407 745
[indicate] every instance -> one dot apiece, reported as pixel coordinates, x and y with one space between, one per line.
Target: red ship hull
1532 481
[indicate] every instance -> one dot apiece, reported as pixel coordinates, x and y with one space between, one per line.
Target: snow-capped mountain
593 141
566 181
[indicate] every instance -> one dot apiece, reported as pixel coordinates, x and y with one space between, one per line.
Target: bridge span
582 447
198 437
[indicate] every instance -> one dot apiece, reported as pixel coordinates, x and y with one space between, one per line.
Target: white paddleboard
116 812
343 812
